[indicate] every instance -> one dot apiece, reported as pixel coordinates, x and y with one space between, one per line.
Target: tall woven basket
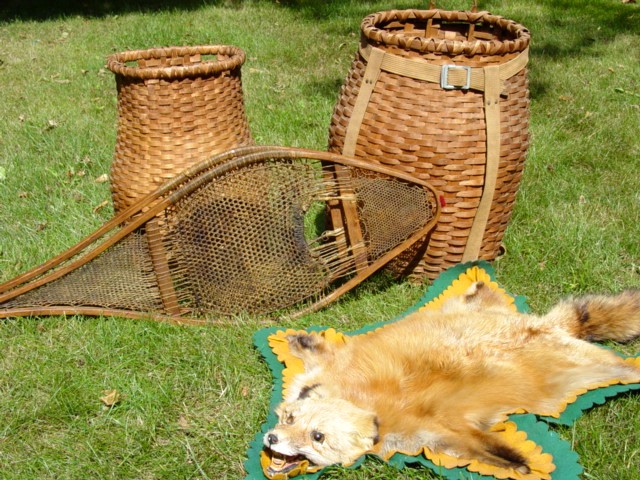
444 96
176 106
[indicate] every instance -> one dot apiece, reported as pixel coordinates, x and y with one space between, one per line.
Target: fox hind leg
486 447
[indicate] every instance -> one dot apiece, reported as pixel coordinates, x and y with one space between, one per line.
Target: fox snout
273 440
285 443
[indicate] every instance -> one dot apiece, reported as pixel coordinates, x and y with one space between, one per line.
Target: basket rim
117 62
371 30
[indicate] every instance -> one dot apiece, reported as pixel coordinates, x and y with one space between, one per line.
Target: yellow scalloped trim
461 284
573 396
541 464
633 361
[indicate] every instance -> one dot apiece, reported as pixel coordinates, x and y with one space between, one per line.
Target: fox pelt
441 379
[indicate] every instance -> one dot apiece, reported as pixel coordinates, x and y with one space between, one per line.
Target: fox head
323 431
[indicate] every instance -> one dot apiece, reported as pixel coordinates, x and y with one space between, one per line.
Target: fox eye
317 436
289 419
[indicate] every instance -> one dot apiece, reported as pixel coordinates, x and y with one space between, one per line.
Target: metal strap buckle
444 77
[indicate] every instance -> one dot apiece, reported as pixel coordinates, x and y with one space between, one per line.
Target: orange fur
441 379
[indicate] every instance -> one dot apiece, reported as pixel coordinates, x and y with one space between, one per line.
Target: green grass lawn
191 399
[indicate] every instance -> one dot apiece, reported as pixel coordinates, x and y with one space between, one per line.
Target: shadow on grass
40 10
47 9
560 29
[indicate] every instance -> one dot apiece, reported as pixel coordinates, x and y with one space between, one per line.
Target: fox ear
480 295
311 391
474 291
368 428
302 344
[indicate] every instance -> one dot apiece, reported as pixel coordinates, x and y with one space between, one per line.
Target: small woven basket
442 95
176 106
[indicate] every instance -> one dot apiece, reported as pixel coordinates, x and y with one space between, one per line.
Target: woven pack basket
442 95
176 106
